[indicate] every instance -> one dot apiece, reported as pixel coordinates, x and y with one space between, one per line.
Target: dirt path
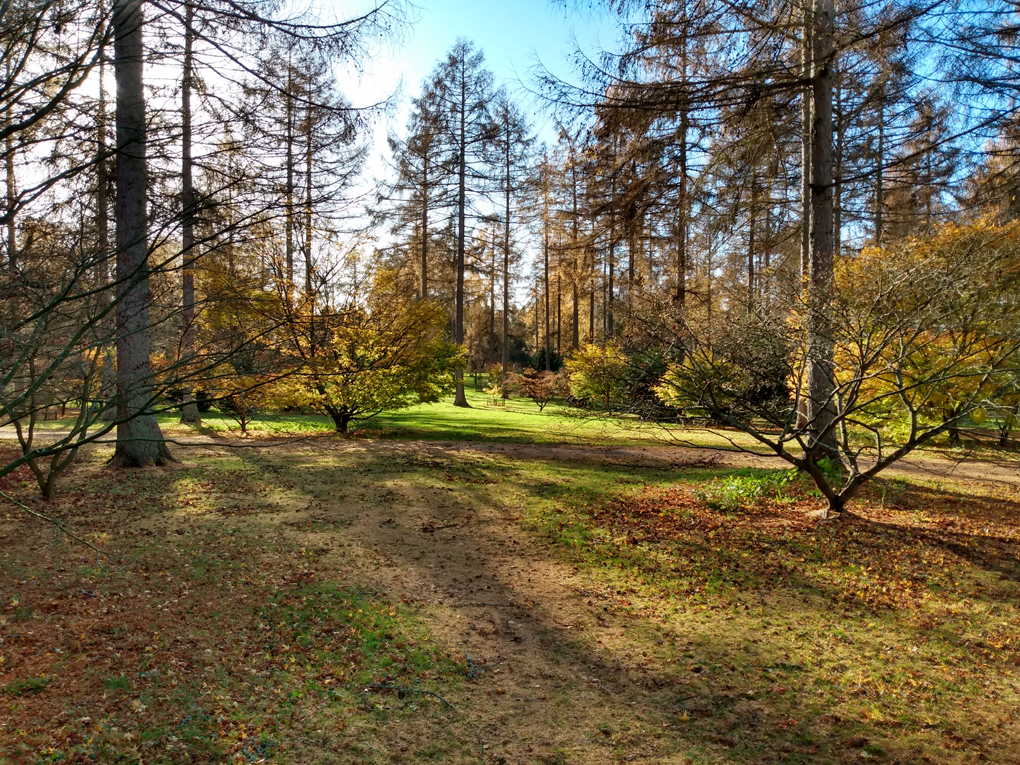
553 672
562 665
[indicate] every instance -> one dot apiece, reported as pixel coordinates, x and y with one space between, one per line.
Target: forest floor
383 601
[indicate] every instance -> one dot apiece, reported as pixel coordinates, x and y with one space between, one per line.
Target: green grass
26 686
518 420
756 634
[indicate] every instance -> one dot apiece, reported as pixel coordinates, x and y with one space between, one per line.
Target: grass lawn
516 421
413 598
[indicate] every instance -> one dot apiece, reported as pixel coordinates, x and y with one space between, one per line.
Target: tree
915 328
510 147
372 360
139 438
598 375
420 190
462 90
540 387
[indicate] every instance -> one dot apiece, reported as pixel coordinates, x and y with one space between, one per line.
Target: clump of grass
732 492
26 686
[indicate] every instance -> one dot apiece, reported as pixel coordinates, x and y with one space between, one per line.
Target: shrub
742 488
540 387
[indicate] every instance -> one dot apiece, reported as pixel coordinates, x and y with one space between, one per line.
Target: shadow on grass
751 636
786 641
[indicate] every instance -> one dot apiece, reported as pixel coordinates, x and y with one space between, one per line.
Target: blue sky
514 34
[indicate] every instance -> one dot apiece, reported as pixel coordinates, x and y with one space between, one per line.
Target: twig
60 527
404 689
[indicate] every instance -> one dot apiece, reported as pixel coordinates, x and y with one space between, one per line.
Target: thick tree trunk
105 268
821 411
189 412
340 421
139 439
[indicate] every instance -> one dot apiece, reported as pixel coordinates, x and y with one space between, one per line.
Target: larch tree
462 88
510 156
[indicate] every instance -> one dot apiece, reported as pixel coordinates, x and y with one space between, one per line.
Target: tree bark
139 439
460 399
879 165
821 411
425 230
506 263
545 260
611 255
575 318
289 190
189 411
12 195
309 158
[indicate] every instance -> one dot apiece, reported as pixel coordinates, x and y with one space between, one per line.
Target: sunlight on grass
516 420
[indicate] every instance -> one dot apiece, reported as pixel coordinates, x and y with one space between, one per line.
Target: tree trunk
492 305
805 180
879 167
592 259
340 421
575 318
611 255
682 222
104 266
751 243
545 260
309 157
821 411
506 268
559 303
460 399
289 190
12 234
425 231
189 411
139 439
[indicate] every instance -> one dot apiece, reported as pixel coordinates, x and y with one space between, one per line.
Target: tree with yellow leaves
925 335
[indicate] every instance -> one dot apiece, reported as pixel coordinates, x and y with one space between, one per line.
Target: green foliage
537 361
376 360
739 375
735 491
598 375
